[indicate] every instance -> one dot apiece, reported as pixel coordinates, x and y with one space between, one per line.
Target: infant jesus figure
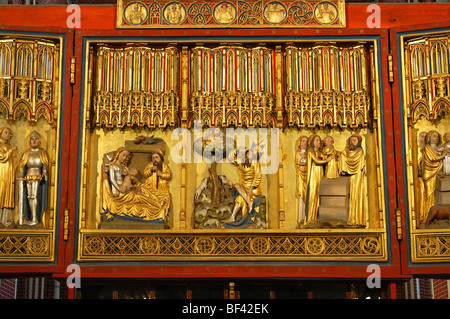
129 180
332 169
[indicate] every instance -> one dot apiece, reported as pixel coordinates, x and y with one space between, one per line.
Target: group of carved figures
317 159
241 204
32 176
124 196
433 160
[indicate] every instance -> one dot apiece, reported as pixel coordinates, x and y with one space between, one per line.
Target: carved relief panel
30 102
426 107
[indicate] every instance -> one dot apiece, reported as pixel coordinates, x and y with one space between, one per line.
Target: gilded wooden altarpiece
426 119
143 97
30 108
137 94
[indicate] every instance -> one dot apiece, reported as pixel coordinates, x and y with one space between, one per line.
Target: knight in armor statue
33 182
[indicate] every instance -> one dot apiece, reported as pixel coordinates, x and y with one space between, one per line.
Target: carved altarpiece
151 89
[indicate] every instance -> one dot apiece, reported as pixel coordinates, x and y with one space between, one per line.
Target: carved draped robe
156 182
351 162
300 160
432 164
332 169
250 179
314 174
6 175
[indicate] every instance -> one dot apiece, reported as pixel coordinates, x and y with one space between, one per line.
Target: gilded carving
315 96
135 13
267 246
233 208
232 86
28 79
33 179
7 176
144 93
427 108
30 87
325 175
249 14
248 198
125 197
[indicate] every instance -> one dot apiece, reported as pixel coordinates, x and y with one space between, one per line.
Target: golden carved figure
326 13
314 172
301 164
136 13
225 13
33 182
352 162
432 165
332 169
140 202
174 13
157 173
274 13
248 191
7 154
421 145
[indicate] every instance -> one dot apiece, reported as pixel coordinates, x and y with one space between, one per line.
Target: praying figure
352 163
157 173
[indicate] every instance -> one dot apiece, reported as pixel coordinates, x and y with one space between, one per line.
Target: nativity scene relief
132 194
